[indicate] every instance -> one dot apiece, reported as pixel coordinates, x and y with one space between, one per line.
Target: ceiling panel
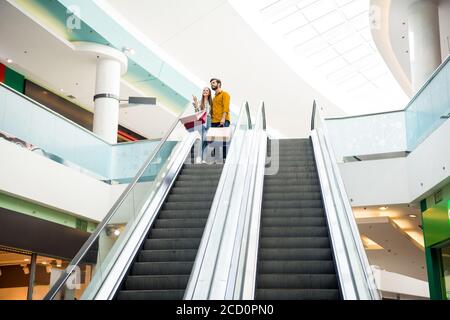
333 38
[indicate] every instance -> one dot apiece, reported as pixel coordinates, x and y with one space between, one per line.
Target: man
220 110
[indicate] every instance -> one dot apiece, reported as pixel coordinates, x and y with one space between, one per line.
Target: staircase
162 267
295 260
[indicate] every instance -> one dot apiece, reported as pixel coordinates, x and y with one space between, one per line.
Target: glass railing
47 133
395 133
94 261
368 135
430 107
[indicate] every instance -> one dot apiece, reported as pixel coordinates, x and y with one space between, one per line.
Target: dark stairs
295 260
162 267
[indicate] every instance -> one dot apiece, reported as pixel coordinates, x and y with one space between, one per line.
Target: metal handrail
313 116
263 115
228 174
249 118
245 281
92 238
239 257
350 219
333 178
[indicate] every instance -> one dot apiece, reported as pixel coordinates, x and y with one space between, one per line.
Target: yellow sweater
221 104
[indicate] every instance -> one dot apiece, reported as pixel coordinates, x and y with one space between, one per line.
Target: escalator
146 245
293 236
295 259
164 263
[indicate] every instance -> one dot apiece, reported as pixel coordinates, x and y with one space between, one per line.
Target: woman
204 105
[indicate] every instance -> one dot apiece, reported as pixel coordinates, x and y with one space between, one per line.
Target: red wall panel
2 72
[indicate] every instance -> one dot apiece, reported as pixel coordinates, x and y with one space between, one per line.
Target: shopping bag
190 120
219 134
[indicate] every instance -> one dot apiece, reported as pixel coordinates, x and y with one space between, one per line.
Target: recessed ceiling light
117 232
383 208
9 61
62 90
412 216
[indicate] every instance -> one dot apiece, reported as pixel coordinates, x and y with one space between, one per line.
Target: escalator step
171 244
195 177
187 206
193 190
180 223
285 195
291 243
269 188
297 281
294 222
296 254
293 212
167 255
297 294
184 214
294 232
167 233
271 204
151 295
298 175
282 162
283 181
295 267
203 166
164 282
200 197
201 172
161 268
200 184
295 158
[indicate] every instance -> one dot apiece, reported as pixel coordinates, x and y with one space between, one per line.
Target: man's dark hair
218 81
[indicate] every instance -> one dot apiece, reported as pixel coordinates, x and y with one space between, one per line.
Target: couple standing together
217 110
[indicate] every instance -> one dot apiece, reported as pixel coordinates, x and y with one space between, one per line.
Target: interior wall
444 25
400 180
30 176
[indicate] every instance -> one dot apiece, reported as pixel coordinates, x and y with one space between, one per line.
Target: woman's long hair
203 103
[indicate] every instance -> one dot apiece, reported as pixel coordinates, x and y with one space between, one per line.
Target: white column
424 41
107 93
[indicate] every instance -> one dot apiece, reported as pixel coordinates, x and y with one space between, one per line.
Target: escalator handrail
229 170
93 237
242 282
334 178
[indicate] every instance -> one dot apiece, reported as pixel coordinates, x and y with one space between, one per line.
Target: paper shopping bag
219 134
190 120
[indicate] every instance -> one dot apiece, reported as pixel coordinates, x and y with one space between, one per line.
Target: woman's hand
195 103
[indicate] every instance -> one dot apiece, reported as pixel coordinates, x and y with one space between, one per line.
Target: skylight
329 44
